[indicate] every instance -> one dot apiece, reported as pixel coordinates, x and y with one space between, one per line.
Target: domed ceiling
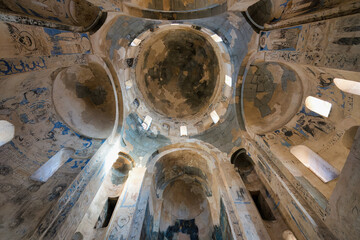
177 73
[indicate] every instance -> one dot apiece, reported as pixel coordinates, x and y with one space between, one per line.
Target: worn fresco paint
40 134
221 137
180 62
187 227
23 40
281 39
268 86
80 13
174 10
223 231
10 66
126 29
143 141
319 44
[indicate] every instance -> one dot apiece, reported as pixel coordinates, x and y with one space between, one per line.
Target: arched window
315 163
52 165
348 86
7 132
319 106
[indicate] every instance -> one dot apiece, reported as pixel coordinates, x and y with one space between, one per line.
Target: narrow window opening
262 206
135 42
7 132
348 86
315 163
106 213
52 165
128 84
147 122
228 80
216 38
183 131
214 116
319 106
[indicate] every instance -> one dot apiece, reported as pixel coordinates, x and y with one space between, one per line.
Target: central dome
177 73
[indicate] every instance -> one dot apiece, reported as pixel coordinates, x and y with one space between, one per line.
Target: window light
135 42
348 86
315 163
128 84
214 116
183 131
147 122
7 132
319 106
52 165
228 80
216 38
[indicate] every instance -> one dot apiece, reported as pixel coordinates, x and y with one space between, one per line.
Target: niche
121 168
262 206
272 95
242 162
106 213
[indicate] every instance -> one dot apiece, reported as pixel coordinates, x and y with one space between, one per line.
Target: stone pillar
344 205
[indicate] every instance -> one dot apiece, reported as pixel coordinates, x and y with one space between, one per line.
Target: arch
86 99
179 165
242 161
81 15
185 109
175 9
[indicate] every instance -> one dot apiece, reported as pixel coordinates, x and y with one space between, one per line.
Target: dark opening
262 206
106 213
242 161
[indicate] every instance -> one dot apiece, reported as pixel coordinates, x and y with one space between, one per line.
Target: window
228 80
319 106
7 132
216 38
135 42
214 116
52 165
348 86
147 122
315 163
183 131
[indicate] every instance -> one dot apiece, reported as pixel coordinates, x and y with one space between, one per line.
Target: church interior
180 119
